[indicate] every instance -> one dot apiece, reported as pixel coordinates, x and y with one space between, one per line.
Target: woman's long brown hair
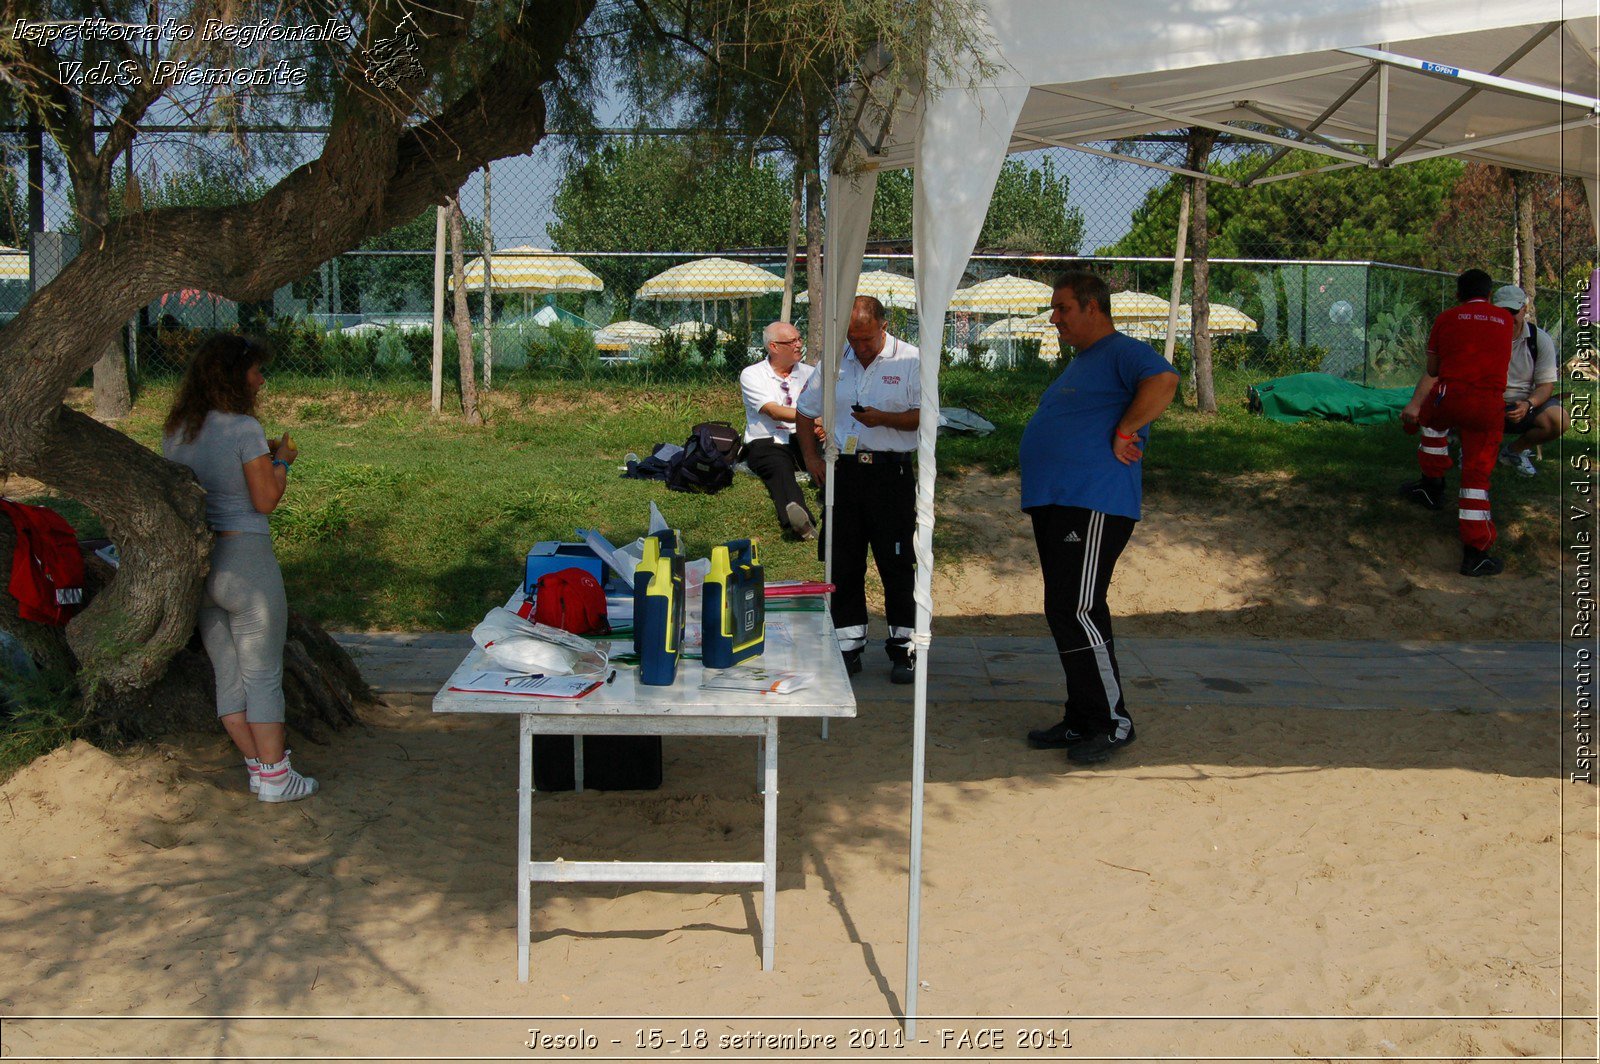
216 380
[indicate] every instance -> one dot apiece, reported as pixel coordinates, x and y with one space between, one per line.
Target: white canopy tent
1358 82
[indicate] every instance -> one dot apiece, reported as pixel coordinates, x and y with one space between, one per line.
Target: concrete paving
1288 673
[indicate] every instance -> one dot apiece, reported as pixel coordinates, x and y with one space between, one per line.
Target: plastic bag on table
522 646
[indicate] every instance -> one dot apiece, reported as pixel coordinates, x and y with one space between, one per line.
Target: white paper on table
758 678
501 682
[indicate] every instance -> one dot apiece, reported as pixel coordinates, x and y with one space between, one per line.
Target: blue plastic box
550 556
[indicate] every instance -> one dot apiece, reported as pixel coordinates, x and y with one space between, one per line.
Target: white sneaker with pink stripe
281 783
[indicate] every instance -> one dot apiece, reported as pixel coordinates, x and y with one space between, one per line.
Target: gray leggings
243 618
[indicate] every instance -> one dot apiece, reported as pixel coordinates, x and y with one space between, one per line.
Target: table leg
769 872
524 843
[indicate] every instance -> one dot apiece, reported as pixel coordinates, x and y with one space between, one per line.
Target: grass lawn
398 520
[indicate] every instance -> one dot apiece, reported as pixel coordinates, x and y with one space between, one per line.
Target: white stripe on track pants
1078 550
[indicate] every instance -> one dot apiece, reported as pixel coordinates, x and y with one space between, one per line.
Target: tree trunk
322 687
1200 142
787 313
488 278
1522 190
816 283
375 171
463 320
113 394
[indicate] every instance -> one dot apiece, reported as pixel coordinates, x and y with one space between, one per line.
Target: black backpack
706 464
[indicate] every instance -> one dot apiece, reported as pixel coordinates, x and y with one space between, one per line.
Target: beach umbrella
710 279
1145 330
693 330
1224 319
621 335
893 290
1138 306
13 264
1037 327
532 271
1002 295
1005 329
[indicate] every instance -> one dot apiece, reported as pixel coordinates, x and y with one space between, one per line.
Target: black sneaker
852 662
1055 737
1425 491
903 672
1098 747
1475 562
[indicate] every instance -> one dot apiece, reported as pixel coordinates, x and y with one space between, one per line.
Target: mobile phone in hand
857 408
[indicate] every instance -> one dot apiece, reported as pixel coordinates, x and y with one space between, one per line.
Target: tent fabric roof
1145 66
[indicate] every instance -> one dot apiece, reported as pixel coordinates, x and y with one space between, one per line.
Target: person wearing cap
1462 388
1081 458
770 388
879 399
1533 416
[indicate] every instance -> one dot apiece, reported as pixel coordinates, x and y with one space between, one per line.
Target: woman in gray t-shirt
244 613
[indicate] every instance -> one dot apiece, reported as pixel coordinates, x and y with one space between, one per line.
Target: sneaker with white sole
252 768
281 783
1522 462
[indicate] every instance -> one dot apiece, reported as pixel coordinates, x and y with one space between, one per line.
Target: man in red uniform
1463 389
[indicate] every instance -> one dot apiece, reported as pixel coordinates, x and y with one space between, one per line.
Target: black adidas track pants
1078 549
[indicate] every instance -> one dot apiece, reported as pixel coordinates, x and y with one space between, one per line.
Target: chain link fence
672 256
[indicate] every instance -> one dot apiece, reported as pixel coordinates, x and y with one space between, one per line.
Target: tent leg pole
919 740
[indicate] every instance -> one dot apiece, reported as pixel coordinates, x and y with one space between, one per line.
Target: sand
1248 882
1267 560
1279 863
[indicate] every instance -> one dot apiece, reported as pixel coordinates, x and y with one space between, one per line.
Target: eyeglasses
786 343
785 386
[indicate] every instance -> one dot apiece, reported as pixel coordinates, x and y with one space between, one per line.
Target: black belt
880 457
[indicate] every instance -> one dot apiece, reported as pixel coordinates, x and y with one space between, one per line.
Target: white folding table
626 707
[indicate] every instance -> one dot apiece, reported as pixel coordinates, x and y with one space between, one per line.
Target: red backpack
46 567
572 600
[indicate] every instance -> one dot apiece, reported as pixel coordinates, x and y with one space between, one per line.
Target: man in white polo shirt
770 389
878 401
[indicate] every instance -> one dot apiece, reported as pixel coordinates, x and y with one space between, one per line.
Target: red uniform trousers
1478 416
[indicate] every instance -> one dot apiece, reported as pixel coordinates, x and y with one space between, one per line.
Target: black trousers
776 464
874 506
1078 549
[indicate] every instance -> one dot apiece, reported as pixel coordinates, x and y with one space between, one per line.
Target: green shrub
38 713
1025 353
670 353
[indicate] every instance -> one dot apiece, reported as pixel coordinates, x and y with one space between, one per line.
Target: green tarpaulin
1326 398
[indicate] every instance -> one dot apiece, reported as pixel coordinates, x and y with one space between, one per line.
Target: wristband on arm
1120 436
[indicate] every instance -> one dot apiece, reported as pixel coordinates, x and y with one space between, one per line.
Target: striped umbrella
1002 295
621 335
13 264
532 271
893 290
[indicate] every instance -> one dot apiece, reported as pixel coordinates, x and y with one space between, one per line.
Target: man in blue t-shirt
1081 484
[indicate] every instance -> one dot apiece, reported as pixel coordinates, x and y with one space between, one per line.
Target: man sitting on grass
1533 416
